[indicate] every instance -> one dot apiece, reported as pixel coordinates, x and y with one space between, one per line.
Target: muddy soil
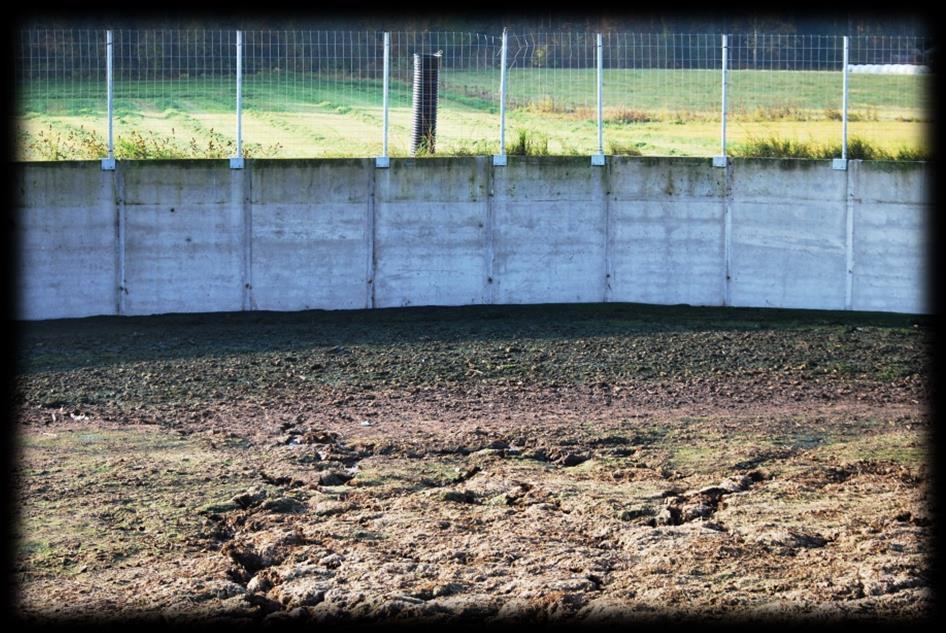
538 463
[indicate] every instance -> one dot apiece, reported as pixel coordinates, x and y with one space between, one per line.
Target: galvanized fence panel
174 93
312 93
60 106
890 80
320 93
653 80
784 86
551 94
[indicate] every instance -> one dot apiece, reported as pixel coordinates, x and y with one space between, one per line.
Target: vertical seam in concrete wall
608 268
371 262
237 197
118 188
246 201
727 232
489 296
849 191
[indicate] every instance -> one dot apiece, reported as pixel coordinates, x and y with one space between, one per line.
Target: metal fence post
500 159
384 160
841 163
720 161
236 162
598 159
108 163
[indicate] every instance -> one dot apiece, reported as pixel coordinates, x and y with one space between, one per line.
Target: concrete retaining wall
549 232
184 238
309 235
667 231
891 235
430 233
66 232
788 236
195 236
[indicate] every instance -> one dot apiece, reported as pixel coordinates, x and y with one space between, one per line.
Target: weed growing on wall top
70 143
622 149
528 143
857 149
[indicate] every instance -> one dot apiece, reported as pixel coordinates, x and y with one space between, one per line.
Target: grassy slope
653 112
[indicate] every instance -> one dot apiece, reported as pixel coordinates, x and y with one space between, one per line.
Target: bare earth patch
581 463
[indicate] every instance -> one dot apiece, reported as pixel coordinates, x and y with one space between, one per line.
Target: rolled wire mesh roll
424 104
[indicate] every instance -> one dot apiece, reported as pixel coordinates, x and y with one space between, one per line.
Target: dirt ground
590 464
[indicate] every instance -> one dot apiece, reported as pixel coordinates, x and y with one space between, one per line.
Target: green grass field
650 112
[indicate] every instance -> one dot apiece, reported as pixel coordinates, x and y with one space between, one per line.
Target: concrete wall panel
309 227
430 233
65 232
665 179
549 253
789 255
781 180
890 257
430 253
666 252
184 237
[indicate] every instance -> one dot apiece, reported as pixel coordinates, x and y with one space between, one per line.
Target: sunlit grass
650 112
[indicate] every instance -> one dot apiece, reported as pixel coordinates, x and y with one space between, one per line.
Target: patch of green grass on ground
907 448
95 498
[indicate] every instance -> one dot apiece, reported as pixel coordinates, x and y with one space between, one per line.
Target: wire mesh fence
552 92
467 90
59 77
654 81
785 86
312 93
320 93
889 78
174 93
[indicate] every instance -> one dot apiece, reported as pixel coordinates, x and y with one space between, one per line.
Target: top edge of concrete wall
786 163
